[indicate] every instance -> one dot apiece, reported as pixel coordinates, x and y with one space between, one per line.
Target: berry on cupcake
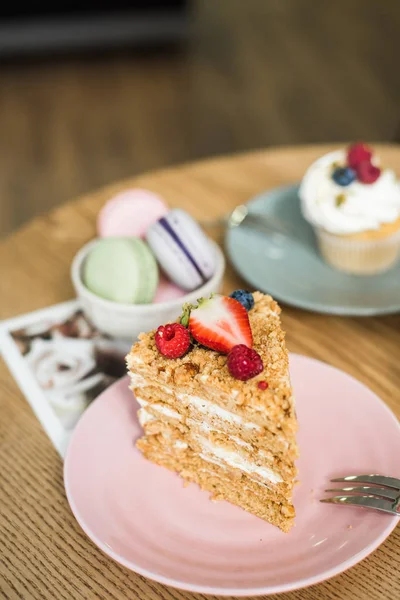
358 153
353 205
359 167
344 176
367 172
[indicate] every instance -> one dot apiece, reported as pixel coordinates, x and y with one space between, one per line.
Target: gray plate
292 270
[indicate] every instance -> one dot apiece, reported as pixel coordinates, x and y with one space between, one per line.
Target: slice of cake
217 405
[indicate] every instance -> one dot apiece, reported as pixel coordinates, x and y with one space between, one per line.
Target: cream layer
211 452
203 406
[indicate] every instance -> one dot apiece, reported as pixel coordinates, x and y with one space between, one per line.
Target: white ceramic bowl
128 320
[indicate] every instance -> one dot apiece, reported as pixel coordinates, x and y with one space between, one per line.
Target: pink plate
142 516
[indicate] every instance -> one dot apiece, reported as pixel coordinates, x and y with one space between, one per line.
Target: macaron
123 270
182 249
167 291
130 213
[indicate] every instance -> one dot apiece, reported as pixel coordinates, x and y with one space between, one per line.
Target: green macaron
122 270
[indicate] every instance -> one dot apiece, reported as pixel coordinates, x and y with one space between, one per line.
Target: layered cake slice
217 405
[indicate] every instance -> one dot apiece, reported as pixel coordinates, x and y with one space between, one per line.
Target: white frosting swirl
365 206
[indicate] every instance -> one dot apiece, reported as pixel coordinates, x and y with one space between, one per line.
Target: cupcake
353 204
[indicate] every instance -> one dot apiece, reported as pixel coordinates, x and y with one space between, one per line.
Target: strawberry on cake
217 405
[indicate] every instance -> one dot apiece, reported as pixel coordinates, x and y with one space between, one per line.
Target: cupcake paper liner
359 257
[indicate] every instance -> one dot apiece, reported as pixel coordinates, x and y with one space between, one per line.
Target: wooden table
43 552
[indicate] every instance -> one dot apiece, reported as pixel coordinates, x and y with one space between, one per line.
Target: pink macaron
167 291
130 213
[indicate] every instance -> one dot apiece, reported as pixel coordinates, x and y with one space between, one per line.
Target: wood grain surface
43 552
252 74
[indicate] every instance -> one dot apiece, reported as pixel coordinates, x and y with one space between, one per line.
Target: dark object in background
41 26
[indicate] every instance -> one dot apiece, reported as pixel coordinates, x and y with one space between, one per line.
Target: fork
381 493
241 216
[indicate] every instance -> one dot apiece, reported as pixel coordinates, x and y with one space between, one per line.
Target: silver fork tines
367 490
384 496
391 482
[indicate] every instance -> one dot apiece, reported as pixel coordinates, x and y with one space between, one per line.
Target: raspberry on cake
224 419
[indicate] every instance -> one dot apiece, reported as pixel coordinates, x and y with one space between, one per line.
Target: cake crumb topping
202 365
